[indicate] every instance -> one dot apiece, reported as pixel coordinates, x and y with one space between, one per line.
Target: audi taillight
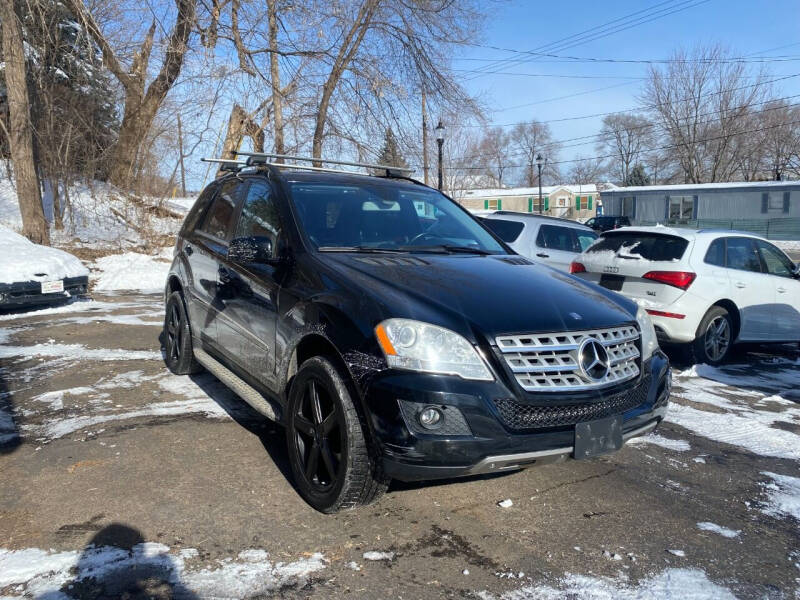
577 267
678 279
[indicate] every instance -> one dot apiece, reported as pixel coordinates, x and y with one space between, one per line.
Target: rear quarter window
649 246
508 231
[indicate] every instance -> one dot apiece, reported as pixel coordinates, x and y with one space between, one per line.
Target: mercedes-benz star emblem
593 359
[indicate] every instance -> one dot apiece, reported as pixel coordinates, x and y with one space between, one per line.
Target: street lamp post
440 141
539 163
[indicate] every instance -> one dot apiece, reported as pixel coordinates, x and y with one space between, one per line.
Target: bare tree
142 101
34 224
586 170
531 139
780 138
700 101
494 153
625 137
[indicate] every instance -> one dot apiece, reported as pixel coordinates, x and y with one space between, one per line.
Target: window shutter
547 203
634 209
499 204
666 209
590 203
486 205
694 207
577 202
764 202
786 202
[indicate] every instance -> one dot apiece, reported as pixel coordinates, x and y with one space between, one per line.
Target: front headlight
649 341
418 346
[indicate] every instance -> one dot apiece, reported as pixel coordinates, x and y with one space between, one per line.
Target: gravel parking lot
120 478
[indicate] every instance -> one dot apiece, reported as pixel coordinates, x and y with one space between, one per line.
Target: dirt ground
103 448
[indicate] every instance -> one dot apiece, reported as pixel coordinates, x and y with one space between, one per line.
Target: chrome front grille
550 362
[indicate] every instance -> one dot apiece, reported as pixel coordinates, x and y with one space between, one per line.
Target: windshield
368 217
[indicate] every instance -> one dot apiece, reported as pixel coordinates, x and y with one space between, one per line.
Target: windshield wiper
369 249
447 249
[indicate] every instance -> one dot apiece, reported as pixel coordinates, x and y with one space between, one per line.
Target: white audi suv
710 289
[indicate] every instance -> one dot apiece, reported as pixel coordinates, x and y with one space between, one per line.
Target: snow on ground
34 572
670 584
718 529
783 496
788 245
743 416
132 271
659 440
102 216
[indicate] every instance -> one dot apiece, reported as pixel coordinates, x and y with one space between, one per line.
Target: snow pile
375 555
26 261
783 496
132 271
104 217
671 584
39 573
788 245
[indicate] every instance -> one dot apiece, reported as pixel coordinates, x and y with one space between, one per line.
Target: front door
250 291
786 288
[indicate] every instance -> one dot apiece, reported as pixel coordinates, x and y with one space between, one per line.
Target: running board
238 385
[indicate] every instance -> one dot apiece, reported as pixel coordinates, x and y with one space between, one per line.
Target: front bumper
489 443
29 293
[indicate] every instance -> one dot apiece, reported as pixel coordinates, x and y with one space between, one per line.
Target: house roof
705 186
588 188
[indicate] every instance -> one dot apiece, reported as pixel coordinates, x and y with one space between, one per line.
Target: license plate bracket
612 282
594 438
53 287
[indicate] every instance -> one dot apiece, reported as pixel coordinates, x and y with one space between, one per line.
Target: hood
25 261
482 295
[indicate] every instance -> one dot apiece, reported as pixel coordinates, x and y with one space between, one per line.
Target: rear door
205 247
786 287
249 292
620 260
557 245
751 289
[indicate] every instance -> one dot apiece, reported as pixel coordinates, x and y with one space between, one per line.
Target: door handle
223 276
740 284
542 255
781 290
188 249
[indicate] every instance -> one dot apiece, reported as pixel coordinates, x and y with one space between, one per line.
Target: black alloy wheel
178 353
334 465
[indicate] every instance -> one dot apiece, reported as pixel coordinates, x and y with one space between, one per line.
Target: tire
329 453
715 337
178 354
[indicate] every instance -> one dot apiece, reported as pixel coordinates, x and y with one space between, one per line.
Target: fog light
430 417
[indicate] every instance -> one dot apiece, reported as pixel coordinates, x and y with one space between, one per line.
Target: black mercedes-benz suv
394 336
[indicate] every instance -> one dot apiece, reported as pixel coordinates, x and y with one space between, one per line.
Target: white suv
708 288
550 240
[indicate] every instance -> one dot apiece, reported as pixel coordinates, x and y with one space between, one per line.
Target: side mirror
247 250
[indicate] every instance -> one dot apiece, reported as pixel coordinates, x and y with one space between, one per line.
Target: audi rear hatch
642 265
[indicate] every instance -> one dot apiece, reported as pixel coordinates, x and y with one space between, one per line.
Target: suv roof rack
256 159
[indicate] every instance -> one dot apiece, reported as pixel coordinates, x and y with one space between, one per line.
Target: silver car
550 240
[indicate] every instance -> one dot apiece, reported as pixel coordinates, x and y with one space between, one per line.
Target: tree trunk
275 79
34 224
424 137
180 152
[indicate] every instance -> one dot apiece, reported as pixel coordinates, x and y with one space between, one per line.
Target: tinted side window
506 230
555 238
585 239
716 253
220 215
198 209
741 254
259 216
777 262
